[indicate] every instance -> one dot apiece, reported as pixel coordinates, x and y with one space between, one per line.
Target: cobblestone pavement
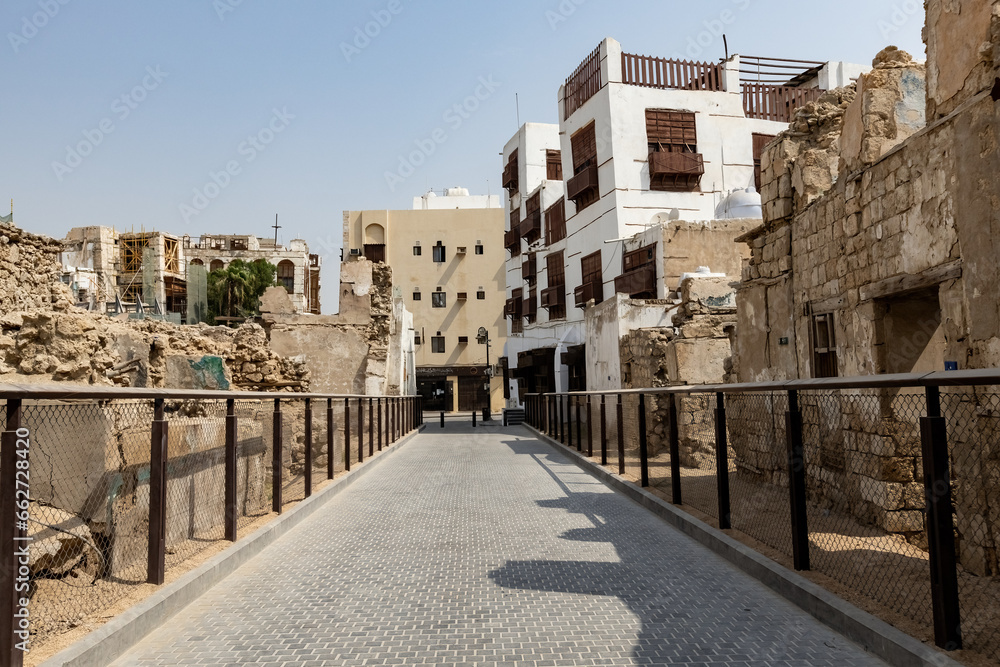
488 547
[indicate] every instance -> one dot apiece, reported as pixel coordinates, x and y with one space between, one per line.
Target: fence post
579 427
347 434
940 526
371 426
604 432
473 418
675 451
379 401
621 436
361 430
9 534
561 424
329 438
156 555
797 483
309 446
590 427
722 462
442 419
232 517
643 443
276 457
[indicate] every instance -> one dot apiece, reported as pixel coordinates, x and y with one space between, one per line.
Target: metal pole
643 443
361 430
380 424
590 427
604 433
329 438
309 446
797 483
675 451
276 458
579 427
156 555
722 462
442 419
621 436
940 526
232 516
347 434
371 427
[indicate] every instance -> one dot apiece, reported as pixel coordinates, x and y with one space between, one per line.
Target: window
583 187
375 252
514 311
462 296
286 275
555 222
554 298
437 344
479 248
417 251
197 262
416 295
759 142
553 165
674 162
481 295
439 252
463 340
824 346
439 300
510 173
416 338
216 265
593 280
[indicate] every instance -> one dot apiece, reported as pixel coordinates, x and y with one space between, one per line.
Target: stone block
905 521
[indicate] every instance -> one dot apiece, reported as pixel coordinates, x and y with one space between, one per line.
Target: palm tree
235 290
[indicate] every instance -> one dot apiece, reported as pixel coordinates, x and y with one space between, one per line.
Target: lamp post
483 338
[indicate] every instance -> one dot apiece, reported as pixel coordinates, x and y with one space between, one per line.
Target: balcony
586 292
512 241
675 171
554 297
512 308
583 183
531 227
510 176
638 283
529 268
529 308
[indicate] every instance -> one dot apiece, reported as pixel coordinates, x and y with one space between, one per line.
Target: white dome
740 204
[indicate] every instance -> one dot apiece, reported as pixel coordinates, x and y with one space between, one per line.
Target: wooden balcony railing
582 183
510 176
554 297
675 171
531 226
582 84
777 103
586 292
670 74
638 283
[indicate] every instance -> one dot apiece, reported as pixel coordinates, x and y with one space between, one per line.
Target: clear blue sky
183 85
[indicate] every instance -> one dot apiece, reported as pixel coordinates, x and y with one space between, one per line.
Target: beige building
447 259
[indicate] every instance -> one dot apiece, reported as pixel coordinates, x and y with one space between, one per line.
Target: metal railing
103 490
887 484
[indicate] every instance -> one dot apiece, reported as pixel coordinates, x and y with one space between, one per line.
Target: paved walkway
488 547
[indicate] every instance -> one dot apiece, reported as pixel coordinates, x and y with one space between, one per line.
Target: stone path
488 547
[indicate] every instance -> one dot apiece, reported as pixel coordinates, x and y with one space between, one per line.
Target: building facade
651 173
447 262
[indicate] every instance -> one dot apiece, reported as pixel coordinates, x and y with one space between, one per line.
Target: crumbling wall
29 271
963 52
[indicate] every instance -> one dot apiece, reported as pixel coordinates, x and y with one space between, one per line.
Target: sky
213 116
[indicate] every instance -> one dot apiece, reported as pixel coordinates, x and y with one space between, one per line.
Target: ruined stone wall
963 52
29 271
902 254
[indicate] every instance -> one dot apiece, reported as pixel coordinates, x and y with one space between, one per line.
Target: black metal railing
887 484
103 490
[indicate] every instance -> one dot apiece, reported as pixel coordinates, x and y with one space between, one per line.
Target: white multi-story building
641 142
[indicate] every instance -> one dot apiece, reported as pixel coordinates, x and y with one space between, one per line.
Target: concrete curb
115 638
872 634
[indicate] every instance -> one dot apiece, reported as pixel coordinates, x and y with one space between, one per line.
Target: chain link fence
91 487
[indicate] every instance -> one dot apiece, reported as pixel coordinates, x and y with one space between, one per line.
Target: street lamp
483 338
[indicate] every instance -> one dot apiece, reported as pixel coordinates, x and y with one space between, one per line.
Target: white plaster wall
609 322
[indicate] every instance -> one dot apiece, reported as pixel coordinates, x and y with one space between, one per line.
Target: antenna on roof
517 106
725 44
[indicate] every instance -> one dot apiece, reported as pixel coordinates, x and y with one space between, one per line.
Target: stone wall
879 254
29 271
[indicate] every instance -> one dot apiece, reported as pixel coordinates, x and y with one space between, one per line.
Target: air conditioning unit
460 250
355 252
